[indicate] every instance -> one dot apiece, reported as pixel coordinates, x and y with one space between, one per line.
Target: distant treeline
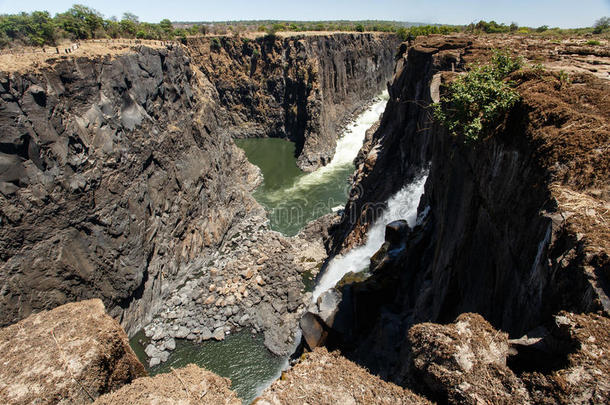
80 22
39 28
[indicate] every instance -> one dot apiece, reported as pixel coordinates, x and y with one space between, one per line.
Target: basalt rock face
114 175
512 227
302 87
400 147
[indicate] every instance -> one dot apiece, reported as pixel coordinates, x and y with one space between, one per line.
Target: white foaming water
345 153
402 205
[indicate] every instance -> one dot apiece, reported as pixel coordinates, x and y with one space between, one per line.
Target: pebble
219 334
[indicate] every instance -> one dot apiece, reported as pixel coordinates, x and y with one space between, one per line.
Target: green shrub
215 44
564 78
601 25
476 102
593 42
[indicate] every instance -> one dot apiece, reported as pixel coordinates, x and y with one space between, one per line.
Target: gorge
191 188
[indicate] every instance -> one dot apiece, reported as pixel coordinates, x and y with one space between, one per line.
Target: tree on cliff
601 25
81 22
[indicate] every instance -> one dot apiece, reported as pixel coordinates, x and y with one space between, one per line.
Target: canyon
455 273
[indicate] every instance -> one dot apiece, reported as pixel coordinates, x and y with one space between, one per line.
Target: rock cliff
115 174
301 87
513 228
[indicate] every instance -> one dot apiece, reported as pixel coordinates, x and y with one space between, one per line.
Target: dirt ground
22 62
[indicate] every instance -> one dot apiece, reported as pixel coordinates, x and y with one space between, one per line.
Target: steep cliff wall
302 87
516 228
115 174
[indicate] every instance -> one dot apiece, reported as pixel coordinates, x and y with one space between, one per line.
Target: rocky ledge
186 386
329 378
70 355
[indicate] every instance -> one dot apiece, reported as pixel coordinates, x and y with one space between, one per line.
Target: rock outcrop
464 363
329 378
301 87
568 365
69 355
190 385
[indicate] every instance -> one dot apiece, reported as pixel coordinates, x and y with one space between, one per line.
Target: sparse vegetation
215 44
475 102
564 78
593 42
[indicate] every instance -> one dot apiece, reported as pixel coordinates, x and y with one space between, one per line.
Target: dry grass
27 62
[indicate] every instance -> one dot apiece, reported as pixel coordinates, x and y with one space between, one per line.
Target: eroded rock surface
464 363
69 355
575 368
190 385
329 378
115 176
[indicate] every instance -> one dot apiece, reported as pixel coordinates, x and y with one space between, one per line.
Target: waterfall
346 151
402 205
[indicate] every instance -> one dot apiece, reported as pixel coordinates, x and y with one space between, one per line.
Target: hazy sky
561 13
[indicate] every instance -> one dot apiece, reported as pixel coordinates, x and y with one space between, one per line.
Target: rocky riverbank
254 281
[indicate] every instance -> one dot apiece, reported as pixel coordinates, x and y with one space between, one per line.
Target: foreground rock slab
329 378
70 355
465 362
188 385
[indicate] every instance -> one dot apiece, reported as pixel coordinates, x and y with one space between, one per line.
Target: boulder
328 378
71 355
313 330
396 232
188 385
182 332
206 333
464 362
219 334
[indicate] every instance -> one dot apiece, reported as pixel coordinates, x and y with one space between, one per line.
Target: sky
533 13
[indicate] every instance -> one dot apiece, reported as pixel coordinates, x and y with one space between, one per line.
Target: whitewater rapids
402 205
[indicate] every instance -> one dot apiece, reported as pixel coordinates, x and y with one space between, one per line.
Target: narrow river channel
292 198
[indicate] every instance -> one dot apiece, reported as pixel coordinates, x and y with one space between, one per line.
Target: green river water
242 357
292 198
